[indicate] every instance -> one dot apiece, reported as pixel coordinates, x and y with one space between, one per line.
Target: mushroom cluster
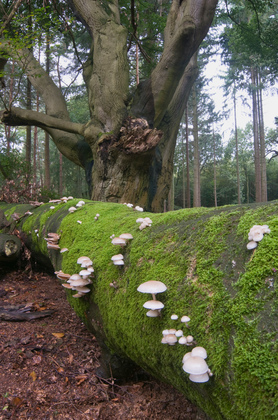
79 282
144 222
153 287
256 234
180 338
52 240
194 363
122 239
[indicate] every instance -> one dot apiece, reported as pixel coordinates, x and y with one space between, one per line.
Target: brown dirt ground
44 376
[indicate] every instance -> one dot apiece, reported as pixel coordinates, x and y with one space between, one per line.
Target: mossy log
229 292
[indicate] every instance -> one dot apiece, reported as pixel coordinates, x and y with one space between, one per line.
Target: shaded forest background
207 170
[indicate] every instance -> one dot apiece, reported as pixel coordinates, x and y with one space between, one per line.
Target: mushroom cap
118 262
117 257
54 236
63 276
265 229
72 209
80 260
185 318
199 378
148 220
74 277
251 245
153 304
66 285
126 236
82 289
179 333
143 225
140 220
79 283
78 295
118 241
186 356
182 340
195 365
189 338
199 351
91 269
86 263
153 313
170 339
174 317
51 245
63 250
152 286
84 273
138 208
258 236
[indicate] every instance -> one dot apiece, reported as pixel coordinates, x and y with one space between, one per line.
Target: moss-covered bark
229 293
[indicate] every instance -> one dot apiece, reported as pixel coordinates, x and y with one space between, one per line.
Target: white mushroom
153 287
118 241
195 365
153 304
153 313
251 245
174 317
199 351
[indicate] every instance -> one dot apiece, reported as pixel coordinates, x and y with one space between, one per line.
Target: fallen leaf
33 375
58 335
60 369
16 402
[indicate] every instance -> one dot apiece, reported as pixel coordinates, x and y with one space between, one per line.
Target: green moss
229 293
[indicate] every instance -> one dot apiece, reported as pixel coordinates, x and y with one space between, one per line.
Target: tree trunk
237 155
262 142
197 185
258 179
214 172
226 290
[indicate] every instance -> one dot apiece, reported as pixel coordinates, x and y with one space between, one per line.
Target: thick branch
187 25
19 116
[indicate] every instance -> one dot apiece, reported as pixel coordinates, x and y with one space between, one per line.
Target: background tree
128 166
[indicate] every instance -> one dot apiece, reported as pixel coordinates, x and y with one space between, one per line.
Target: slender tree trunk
262 142
237 155
183 152
214 172
258 184
188 195
61 174
46 138
197 189
28 144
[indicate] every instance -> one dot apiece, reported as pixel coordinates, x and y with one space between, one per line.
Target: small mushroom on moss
126 236
182 340
189 340
153 287
251 245
118 241
199 351
51 245
153 304
63 250
174 317
72 209
185 319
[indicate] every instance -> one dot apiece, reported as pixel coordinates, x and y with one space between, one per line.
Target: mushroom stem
153 295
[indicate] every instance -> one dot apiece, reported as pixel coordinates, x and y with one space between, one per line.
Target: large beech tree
127 146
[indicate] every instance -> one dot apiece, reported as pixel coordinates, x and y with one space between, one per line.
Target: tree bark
226 290
257 160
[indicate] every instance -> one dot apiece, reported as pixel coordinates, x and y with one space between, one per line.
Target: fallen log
10 247
228 291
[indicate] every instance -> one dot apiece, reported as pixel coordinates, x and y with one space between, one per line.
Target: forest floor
49 366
